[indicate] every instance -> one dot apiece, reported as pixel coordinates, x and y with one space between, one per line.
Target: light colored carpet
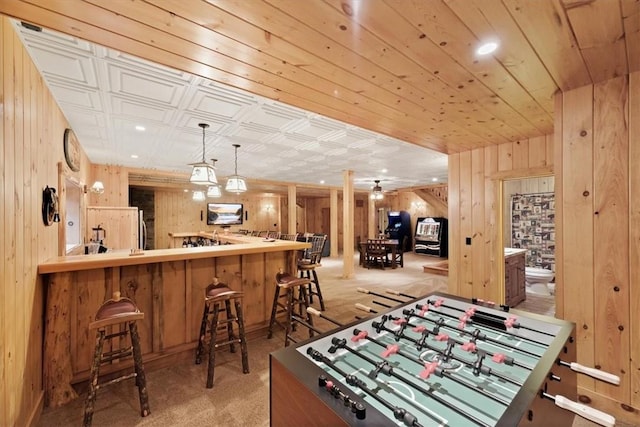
178 396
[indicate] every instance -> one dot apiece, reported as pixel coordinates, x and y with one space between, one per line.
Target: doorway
528 230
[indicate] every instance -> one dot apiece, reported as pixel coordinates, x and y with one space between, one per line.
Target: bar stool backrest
293 237
313 255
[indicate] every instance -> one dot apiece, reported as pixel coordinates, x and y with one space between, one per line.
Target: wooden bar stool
294 306
216 294
307 265
116 312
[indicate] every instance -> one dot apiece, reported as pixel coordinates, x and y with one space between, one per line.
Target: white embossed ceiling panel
105 94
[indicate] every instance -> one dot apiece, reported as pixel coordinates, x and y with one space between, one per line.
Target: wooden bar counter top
167 285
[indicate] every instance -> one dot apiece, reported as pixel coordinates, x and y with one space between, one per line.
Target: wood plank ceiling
404 68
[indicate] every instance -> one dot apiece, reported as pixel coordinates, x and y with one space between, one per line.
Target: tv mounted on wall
224 213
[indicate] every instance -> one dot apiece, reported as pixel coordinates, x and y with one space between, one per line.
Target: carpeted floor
178 396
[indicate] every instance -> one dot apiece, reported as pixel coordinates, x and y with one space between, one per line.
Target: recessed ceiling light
322 181
434 179
186 190
384 171
140 128
134 156
487 48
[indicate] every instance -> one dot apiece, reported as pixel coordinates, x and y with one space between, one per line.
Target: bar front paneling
167 285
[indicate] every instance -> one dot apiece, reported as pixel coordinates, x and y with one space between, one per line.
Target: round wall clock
71 150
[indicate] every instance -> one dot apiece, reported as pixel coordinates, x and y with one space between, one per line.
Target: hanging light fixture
203 173
376 193
214 190
236 183
198 196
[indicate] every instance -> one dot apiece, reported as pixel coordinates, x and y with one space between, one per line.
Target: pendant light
198 196
214 190
203 173
376 193
236 183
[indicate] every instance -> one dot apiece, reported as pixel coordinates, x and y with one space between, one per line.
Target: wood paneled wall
31 135
599 246
176 212
474 209
596 163
318 217
410 202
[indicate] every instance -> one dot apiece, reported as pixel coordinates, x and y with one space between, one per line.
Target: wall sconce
97 187
417 205
268 207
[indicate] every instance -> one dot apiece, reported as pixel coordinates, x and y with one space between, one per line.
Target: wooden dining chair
376 253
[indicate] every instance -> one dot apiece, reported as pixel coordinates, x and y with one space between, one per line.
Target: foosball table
437 360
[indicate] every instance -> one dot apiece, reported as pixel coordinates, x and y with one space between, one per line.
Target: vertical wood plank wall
176 212
31 135
474 207
595 154
600 184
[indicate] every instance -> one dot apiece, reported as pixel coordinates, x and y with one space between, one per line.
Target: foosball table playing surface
437 360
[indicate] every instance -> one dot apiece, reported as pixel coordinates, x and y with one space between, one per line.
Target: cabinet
514 280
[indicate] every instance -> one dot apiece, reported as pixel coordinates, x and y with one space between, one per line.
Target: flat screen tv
224 213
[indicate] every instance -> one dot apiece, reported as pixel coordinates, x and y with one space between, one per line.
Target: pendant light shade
236 183
376 193
203 173
198 196
214 190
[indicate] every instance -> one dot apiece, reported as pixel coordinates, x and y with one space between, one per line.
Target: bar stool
113 312
216 294
294 306
307 265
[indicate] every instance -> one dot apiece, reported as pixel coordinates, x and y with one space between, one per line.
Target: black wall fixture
50 206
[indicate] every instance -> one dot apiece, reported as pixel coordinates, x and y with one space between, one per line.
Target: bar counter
168 287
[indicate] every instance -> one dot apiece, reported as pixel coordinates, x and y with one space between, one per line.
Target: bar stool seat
294 306
112 313
215 295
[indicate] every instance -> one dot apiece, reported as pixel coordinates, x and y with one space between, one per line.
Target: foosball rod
318 313
365 308
584 411
592 372
379 326
480 336
399 413
306 324
366 291
515 325
400 294
470 321
342 343
442 373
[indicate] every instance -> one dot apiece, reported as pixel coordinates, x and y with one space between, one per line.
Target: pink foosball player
429 368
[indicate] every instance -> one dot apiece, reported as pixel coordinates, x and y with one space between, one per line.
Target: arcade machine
399 227
432 237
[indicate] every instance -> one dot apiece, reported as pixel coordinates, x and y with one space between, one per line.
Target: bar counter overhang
168 287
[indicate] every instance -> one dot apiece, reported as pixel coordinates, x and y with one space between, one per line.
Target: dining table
392 248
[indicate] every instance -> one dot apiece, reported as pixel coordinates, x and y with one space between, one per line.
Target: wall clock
71 150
